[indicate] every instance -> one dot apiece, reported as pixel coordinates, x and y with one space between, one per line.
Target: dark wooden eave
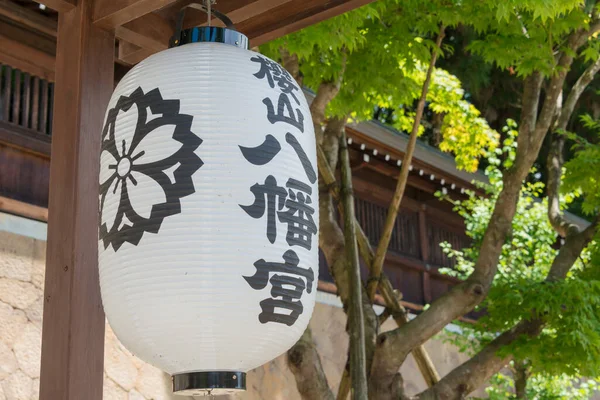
144 27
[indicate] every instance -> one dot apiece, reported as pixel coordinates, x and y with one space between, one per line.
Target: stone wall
21 289
22 262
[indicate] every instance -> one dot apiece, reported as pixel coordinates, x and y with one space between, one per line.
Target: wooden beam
28 17
260 20
26 58
24 49
135 22
59 5
126 48
330 287
236 10
372 143
73 323
391 171
22 34
109 14
131 54
293 16
24 139
23 209
150 32
253 9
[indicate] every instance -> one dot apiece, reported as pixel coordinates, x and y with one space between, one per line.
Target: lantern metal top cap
210 34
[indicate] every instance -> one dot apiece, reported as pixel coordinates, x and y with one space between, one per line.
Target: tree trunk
358 363
437 123
331 238
305 363
521 374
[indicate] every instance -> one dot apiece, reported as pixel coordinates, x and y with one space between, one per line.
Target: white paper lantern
208 243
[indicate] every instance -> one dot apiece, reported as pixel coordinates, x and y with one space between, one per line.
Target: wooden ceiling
28 32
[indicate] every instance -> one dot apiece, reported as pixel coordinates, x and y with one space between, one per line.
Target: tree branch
555 159
532 88
392 213
393 347
326 92
575 242
476 371
576 91
358 363
305 363
473 373
291 64
585 34
554 165
555 87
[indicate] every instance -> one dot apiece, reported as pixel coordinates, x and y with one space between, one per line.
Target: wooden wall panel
24 176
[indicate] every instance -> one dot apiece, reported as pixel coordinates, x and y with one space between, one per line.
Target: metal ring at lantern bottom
210 382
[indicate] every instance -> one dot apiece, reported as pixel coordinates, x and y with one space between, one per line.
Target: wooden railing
414 255
25 100
25 129
437 234
406 234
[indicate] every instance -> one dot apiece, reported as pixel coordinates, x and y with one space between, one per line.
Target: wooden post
16 104
26 100
424 241
44 111
73 328
5 103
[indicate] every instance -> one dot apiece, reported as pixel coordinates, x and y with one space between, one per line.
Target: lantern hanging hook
224 35
207 8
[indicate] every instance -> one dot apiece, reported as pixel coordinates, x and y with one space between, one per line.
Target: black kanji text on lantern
270 147
263 153
291 205
288 282
284 112
306 164
270 198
